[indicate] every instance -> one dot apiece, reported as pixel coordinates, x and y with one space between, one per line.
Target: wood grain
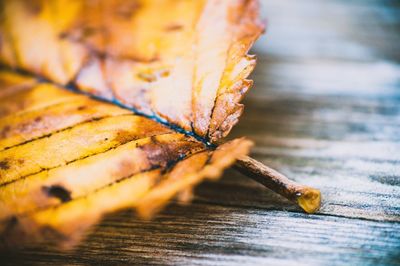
205 234
325 111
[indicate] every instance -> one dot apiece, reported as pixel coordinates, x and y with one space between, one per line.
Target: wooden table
325 111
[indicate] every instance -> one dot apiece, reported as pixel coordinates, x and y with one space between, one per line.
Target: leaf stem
309 199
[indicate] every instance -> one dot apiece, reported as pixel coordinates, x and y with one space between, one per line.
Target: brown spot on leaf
153 75
126 9
148 77
80 32
165 154
173 27
123 136
4 165
57 191
164 73
63 35
5 131
34 7
89 31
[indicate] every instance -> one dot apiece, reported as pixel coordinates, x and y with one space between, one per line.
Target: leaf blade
62 167
185 66
59 184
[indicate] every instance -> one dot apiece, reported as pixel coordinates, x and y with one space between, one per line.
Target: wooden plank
204 234
343 29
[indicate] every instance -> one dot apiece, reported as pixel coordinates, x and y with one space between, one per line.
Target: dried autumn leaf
182 61
178 69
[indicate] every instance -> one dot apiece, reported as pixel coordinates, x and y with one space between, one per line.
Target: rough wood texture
325 111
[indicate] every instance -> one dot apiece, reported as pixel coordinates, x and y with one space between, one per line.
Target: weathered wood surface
325 111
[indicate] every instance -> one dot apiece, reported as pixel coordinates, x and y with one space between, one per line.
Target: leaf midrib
73 88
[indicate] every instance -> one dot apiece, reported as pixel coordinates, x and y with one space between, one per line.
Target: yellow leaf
121 105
